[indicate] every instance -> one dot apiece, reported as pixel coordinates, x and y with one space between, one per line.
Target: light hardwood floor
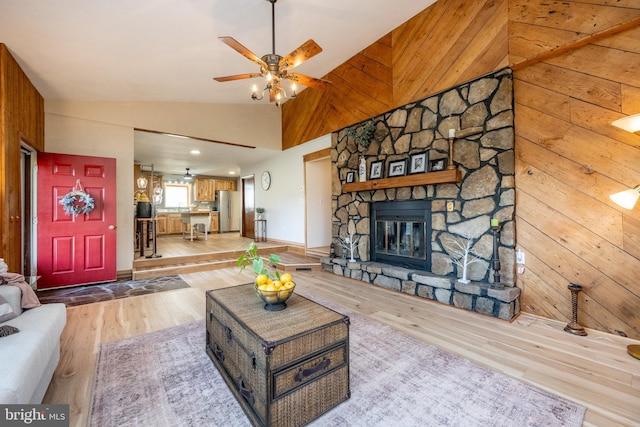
594 371
175 246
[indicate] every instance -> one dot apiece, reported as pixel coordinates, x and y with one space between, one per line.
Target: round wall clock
266 180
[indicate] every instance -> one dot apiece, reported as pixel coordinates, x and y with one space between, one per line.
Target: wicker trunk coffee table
285 368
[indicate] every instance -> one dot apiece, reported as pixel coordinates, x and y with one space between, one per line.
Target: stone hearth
481 111
478 297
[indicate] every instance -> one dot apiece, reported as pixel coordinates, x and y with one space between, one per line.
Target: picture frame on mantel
397 168
418 163
375 172
350 177
436 165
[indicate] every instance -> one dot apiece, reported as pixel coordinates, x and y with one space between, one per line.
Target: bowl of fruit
274 293
273 289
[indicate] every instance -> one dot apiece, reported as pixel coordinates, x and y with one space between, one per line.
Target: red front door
76 249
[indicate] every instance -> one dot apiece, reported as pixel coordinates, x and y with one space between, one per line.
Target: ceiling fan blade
235 45
307 50
237 77
309 81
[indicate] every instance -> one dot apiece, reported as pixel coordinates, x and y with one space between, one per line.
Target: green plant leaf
273 258
258 266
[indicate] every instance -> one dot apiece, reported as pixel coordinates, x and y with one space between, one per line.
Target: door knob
112 227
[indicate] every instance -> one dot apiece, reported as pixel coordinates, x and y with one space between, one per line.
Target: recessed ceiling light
176 136
195 152
232 173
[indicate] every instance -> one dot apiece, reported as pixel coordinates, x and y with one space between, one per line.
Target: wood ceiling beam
578 43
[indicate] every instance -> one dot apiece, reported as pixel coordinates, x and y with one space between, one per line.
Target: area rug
165 378
79 295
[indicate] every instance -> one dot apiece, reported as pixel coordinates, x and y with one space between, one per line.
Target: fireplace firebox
401 233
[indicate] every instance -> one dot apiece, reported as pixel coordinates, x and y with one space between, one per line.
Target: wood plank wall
570 83
577 69
451 42
21 119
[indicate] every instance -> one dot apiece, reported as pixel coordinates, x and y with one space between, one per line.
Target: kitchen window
176 195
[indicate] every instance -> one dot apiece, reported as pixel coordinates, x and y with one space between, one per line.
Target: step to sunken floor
146 268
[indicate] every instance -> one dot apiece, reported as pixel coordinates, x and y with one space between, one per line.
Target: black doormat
109 291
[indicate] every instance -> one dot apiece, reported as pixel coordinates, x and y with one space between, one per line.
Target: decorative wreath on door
77 201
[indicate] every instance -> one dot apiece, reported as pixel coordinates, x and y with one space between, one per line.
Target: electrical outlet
519 257
449 206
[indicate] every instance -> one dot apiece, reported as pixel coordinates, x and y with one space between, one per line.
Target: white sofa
29 357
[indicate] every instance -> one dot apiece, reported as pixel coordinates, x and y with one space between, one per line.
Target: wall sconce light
627 198
629 123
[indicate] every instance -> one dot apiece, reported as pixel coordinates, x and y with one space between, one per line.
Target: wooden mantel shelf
441 177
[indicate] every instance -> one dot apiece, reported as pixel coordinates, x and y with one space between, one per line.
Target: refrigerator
228 210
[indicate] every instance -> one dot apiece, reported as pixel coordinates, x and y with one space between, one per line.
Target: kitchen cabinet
168 223
226 184
174 224
214 222
205 189
161 224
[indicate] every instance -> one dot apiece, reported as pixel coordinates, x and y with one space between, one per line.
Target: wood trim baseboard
124 275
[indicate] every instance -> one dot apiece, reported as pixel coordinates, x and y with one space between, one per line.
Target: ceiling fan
275 68
188 176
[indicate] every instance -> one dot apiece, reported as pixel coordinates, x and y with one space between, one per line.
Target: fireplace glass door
401 238
399 233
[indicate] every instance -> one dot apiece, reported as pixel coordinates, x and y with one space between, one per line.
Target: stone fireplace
416 253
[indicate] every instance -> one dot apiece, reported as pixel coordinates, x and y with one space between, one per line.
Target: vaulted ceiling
169 51
151 50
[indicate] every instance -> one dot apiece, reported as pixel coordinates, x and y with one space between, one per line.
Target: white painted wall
257 124
318 195
285 200
67 135
106 129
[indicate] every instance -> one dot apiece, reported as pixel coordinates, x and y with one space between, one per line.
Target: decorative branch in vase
349 244
461 256
362 135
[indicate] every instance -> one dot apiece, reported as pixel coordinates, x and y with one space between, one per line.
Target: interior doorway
317 175
27 200
248 206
